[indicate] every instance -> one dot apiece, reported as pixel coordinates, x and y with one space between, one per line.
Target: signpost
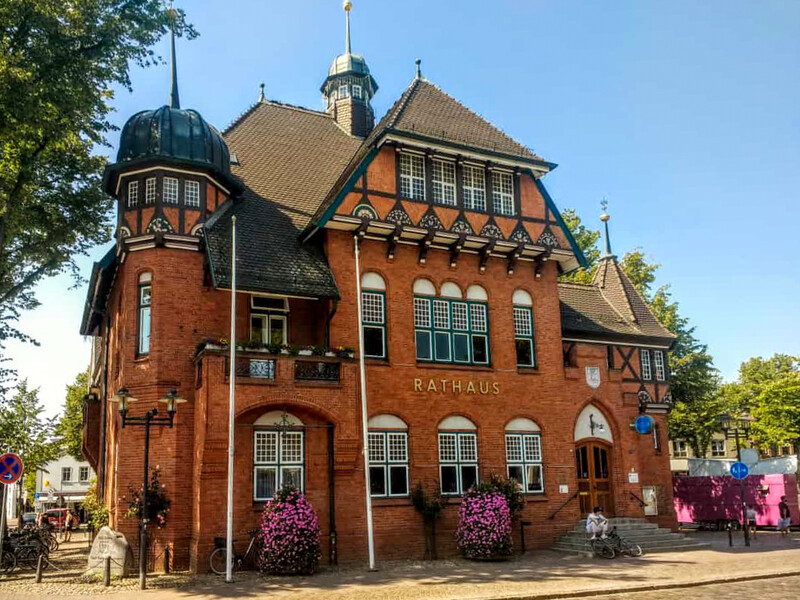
10 472
739 470
644 424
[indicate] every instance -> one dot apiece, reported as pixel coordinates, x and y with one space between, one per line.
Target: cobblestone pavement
542 574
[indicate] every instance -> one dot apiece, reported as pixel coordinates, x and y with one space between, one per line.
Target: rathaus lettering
456 386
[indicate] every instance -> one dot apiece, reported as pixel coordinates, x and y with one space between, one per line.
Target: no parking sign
10 468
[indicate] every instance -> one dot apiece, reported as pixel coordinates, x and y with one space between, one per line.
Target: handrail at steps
641 502
567 501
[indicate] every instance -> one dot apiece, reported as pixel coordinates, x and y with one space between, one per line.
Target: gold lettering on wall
457 386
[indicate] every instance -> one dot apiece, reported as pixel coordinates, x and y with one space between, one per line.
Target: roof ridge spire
174 97
347 6
605 218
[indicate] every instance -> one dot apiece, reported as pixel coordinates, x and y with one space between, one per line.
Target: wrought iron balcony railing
317 370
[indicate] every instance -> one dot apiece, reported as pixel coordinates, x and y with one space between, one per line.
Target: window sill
142 358
453 366
318 384
528 370
377 362
535 497
391 501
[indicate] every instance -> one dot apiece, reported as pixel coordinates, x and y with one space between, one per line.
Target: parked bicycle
218 558
613 544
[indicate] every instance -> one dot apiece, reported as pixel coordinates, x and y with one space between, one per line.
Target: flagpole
364 413
231 408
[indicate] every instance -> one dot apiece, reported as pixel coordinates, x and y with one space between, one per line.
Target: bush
289 534
484 525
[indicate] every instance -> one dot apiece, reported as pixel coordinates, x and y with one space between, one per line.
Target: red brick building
476 359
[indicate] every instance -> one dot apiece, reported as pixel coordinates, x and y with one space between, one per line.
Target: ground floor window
524 460
388 463
277 461
458 461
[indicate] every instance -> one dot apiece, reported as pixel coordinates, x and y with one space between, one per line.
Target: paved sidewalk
536 575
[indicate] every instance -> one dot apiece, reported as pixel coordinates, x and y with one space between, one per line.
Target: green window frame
388 463
524 336
458 462
373 322
278 459
524 461
451 330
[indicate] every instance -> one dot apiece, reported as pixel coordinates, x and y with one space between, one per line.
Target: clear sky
683 113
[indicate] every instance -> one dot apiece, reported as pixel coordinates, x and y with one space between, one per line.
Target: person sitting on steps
597 523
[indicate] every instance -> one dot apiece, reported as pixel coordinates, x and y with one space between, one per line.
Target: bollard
107 571
730 535
39 567
522 526
166 560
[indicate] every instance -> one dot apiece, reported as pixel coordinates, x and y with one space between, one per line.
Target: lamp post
150 418
731 427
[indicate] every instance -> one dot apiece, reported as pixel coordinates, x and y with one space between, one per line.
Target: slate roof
609 309
289 159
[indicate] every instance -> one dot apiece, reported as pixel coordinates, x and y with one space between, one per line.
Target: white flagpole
364 414
231 408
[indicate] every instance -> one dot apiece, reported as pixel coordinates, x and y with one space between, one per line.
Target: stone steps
648 535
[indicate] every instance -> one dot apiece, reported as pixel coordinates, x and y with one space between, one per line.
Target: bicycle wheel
52 544
9 562
602 549
632 549
218 561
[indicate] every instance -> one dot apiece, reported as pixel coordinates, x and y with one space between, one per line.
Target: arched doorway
593 463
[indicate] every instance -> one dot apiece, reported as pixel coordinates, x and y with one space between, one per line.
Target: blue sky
684 114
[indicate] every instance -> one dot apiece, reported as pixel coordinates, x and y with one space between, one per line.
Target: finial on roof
174 98
418 62
604 218
261 96
347 6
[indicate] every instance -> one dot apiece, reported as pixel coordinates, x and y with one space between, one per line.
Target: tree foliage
59 60
694 381
70 423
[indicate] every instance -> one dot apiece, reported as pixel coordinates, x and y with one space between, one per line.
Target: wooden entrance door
593 464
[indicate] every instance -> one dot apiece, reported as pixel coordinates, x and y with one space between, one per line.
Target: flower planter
304 353
285 352
330 354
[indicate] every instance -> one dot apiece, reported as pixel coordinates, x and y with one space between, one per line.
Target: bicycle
623 546
217 560
602 547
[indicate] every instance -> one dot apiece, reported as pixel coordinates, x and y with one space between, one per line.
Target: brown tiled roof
289 159
609 309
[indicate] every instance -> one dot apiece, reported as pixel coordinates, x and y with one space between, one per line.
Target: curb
645 588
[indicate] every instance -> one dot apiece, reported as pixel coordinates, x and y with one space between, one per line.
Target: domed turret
349 88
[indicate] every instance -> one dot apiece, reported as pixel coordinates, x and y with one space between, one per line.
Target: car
57 516
28 518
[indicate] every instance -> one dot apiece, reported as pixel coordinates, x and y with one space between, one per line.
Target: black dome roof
171 135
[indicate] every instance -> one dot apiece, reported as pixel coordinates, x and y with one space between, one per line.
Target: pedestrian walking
69 520
751 519
785 516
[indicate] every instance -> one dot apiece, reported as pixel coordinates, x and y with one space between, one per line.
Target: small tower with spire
349 88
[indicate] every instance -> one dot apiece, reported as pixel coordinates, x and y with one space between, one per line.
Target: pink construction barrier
709 499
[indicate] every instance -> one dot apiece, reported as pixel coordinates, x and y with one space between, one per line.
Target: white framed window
133 193
269 329
66 474
143 333
83 474
717 447
150 190
388 463
458 461
412 176
444 182
191 194
170 190
373 314
679 449
503 192
278 460
658 359
357 91
451 330
647 372
524 461
474 180
342 92
523 334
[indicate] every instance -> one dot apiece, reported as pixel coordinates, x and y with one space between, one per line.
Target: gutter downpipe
101 460
364 418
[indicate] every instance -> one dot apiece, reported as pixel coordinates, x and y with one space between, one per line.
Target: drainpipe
101 460
364 414
328 319
333 557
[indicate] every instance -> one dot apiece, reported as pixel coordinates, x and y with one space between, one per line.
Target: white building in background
63 478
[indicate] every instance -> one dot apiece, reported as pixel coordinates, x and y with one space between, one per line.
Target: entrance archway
593 462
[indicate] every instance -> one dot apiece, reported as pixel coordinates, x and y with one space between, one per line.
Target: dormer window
170 190
133 193
412 176
342 93
503 193
444 182
150 190
191 194
357 91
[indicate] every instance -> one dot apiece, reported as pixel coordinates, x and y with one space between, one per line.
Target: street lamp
124 398
731 427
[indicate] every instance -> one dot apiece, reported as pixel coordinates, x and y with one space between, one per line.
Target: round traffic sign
644 424
10 468
739 470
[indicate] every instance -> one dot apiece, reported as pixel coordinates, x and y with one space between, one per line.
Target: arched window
278 454
388 456
373 315
523 328
458 455
449 329
144 292
524 455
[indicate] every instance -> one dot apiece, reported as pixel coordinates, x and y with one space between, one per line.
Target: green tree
70 424
59 60
587 241
23 430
